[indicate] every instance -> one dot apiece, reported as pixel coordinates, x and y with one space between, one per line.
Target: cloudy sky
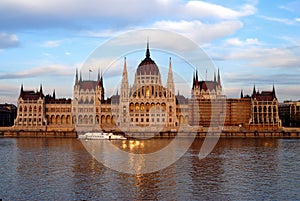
251 41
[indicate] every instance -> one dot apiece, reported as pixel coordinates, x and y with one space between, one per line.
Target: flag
90 70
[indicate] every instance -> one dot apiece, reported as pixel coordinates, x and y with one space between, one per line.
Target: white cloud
205 9
113 13
198 31
49 70
280 20
267 57
238 42
297 19
52 43
8 40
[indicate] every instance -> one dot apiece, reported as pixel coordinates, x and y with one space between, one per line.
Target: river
236 169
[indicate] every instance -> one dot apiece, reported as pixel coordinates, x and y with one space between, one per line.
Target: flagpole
89 74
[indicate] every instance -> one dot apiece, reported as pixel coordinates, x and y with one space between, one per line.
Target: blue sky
252 42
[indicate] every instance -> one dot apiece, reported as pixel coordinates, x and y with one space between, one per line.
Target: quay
283 133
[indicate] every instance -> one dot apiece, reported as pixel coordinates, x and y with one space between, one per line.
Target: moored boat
101 136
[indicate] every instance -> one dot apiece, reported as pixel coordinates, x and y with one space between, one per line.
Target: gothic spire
98 74
170 81
254 92
273 92
80 79
219 79
215 79
21 91
147 51
41 89
76 76
242 94
102 87
53 94
124 83
196 79
193 87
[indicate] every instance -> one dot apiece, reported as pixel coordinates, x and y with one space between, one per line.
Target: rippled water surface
237 169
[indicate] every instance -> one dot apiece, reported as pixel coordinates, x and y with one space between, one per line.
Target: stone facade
8 113
264 111
58 113
31 110
147 105
289 113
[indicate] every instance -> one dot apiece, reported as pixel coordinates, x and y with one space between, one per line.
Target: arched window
137 107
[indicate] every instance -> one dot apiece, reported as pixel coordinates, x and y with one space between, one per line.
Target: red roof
265 96
90 85
147 67
30 95
208 85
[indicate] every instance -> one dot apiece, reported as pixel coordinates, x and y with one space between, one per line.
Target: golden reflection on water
138 146
61 169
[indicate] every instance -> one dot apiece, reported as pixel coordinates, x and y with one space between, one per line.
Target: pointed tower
98 75
219 86
196 80
254 92
124 95
21 91
242 94
193 86
124 99
54 94
170 81
215 79
148 51
76 77
99 88
102 87
41 91
219 79
273 92
80 79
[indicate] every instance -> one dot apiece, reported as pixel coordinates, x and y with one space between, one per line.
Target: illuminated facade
146 106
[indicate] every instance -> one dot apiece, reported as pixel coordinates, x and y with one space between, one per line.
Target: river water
237 169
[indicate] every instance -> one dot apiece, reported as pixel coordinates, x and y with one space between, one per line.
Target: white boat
101 136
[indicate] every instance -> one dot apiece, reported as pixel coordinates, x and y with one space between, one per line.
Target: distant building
58 113
8 113
207 106
289 113
87 99
41 113
264 111
31 110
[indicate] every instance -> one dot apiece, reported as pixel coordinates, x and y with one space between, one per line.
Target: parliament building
146 106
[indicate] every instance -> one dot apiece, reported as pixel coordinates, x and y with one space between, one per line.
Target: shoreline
223 134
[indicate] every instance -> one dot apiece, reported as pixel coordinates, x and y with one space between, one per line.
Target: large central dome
147 66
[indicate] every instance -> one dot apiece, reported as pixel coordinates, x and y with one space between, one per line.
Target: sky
252 42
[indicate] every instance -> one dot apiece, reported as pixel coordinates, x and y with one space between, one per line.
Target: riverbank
223 134
61 134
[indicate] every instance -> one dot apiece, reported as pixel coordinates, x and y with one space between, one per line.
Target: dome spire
147 51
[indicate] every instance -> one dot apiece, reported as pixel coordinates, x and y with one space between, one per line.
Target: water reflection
239 169
137 156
